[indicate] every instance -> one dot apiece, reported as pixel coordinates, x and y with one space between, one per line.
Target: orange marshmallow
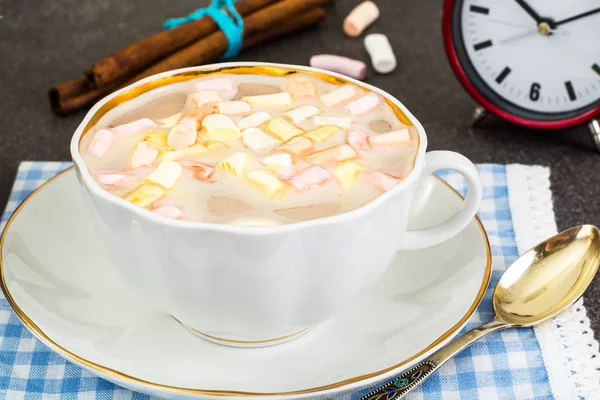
202 172
358 140
283 129
302 87
298 145
360 18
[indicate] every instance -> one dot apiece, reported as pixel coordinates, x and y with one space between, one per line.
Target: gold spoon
542 283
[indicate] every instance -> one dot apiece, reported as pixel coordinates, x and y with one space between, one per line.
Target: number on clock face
541 55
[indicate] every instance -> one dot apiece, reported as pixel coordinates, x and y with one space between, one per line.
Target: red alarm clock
535 63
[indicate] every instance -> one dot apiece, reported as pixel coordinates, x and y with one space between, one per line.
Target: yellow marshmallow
166 174
321 134
347 173
297 145
190 152
145 194
221 127
215 146
283 129
158 139
266 181
236 163
282 99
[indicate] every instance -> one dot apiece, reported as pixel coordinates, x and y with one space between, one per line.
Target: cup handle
435 161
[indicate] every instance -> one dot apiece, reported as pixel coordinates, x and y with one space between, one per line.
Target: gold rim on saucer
39 333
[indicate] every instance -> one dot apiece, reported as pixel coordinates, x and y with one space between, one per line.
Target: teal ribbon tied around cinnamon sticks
226 17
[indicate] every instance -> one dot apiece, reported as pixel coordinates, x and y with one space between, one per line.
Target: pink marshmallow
310 177
101 142
219 85
347 66
143 155
109 179
231 108
358 140
169 211
202 172
134 127
364 104
383 181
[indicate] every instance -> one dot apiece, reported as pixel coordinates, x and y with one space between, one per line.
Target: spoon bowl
548 278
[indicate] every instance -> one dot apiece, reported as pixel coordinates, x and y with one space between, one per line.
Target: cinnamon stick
143 53
210 48
63 105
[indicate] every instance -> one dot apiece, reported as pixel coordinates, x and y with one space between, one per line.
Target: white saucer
57 278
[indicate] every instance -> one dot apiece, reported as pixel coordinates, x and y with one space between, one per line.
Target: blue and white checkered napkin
556 360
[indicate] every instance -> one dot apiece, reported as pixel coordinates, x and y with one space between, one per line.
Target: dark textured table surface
46 42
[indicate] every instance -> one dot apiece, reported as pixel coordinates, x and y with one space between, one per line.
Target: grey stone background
43 42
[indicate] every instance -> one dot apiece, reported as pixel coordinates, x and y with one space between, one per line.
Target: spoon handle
412 378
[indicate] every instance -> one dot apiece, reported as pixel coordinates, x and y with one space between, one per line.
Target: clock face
536 59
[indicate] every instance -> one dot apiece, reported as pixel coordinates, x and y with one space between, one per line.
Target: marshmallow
221 127
332 154
169 211
297 145
145 194
190 152
183 135
101 142
218 85
283 129
159 139
236 163
202 172
281 163
360 18
358 140
201 98
347 173
342 122
134 127
338 96
282 99
231 108
166 174
302 88
364 104
266 181
215 146
109 179
401 136
346 66
254 120
301 113
258 141
143 155
310 177
321 134
380 50
169 121
384 181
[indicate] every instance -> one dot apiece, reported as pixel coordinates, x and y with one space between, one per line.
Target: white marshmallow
201 98
301 113
380 50
258 140
219 85
143 155
166 174
338 96
254 120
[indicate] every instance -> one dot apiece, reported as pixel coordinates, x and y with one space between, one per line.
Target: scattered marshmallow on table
364 104
346 66
360 18
380 50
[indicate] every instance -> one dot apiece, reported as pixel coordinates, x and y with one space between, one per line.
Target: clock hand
576 17
529 11
499 22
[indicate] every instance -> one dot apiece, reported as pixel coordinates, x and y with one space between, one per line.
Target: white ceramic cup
257 286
